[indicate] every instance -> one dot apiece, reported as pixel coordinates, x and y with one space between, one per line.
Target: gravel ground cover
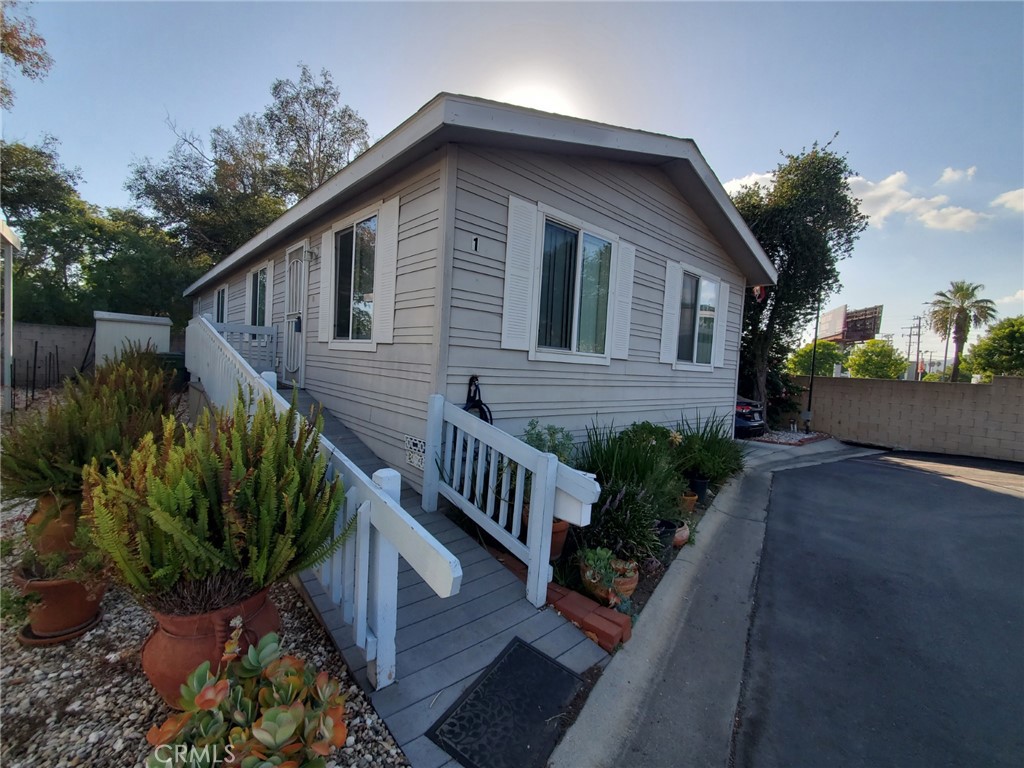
780 437
88 703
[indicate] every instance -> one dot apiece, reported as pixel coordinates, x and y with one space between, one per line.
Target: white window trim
545 354
721 318
346 345
268 319
223 287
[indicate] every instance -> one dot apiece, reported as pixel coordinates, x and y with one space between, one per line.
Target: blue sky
928 99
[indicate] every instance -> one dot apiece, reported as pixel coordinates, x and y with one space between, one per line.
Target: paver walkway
443 644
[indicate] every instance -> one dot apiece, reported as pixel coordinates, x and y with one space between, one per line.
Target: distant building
847 327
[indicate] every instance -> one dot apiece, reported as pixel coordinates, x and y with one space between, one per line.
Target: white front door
294 310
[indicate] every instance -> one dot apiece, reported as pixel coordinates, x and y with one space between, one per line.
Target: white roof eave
448 117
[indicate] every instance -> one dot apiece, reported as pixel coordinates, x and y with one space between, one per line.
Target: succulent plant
263 708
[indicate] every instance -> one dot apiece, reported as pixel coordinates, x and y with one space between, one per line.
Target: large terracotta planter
66 609
50 531
559 533
622 586
179 644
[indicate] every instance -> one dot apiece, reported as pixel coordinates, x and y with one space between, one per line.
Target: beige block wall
984 420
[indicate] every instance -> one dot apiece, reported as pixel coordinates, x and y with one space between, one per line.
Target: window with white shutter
694 318
568 287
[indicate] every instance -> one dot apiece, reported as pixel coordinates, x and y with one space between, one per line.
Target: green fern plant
207 520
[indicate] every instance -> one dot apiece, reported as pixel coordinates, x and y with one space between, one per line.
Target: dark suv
749 418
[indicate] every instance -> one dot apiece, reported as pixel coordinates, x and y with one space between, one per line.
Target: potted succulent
61 592
200 527
606 577
259 708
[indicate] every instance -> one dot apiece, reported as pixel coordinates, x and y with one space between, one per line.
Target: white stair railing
363 576
256 343
485 472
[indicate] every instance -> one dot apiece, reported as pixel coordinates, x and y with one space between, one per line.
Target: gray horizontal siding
640 205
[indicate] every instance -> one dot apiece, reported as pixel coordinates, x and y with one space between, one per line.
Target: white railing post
383 607
432 453
538 534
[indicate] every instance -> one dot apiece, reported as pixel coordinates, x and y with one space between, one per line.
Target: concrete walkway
668 697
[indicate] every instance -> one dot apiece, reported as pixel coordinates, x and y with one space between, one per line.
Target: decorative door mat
508 718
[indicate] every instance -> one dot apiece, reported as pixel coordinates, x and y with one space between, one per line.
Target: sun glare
546 98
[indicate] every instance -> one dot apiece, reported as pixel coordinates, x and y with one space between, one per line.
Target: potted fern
95 420
200 526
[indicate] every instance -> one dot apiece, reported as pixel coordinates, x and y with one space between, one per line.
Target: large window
355 253
258 296
697 320
575 278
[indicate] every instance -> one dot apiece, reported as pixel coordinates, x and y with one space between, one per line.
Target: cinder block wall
985 420
64 345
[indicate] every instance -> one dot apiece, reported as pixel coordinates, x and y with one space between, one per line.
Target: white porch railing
363 576
256 343
485 472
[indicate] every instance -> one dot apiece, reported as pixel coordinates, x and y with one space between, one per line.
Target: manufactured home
584 272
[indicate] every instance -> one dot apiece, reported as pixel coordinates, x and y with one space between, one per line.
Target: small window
258 297
575 277
220 304
355 255
697 320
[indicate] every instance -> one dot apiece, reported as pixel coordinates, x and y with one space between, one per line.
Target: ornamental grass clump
711 451
207 517
261 708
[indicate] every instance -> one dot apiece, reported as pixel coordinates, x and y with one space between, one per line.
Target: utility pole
915 331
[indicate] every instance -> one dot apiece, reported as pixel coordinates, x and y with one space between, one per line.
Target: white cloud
952 174
1017 298
882 199
1014 200
735 185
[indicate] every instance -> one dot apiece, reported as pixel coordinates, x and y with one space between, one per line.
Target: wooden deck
443 644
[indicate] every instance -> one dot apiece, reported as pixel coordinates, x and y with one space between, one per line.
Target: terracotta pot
621 588
682 536
50 531
67 608
688 502
179 644
559 532
625 586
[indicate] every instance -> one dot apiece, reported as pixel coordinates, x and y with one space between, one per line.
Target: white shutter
623 300
268 316
670 312
325 329
721 323
520 260
385 270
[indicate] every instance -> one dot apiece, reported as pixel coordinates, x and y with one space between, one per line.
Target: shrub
237 504
95 419
550 439
625 521
710 449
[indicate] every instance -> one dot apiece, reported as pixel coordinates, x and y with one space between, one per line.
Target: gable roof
466 119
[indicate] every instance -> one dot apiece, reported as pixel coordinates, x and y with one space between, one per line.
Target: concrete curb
616 703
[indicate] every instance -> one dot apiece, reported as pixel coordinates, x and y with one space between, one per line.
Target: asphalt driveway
888 626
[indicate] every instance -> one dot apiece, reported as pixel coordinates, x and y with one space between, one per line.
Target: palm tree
955 312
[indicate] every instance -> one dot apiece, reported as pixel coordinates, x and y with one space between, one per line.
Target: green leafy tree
21 47
1000 352
314 133
876 359
954 312
806 221
828 356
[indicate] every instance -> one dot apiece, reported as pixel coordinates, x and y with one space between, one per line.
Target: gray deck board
442 644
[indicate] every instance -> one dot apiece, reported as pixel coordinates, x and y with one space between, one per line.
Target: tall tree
20 46
876 359
1000 352
954 312
315 134
806 220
